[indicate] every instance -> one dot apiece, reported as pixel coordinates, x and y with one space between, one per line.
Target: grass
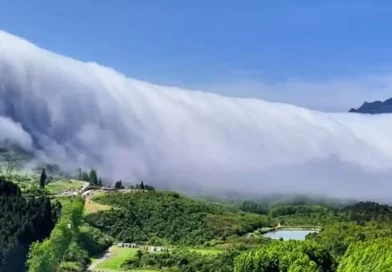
207 251
117 257
62 185
93 207
133 270
64 200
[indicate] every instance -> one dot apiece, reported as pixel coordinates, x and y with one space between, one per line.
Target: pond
289 234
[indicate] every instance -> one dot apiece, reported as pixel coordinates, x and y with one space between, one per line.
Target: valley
140 228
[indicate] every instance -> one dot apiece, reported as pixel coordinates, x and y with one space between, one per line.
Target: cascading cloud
83 114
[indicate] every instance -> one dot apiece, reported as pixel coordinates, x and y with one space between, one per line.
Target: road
100 260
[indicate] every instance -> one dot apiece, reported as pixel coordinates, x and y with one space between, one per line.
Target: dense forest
22 222
287 256
70 244
167 217
182 260
45 236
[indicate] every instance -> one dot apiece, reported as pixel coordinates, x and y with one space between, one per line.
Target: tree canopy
22 221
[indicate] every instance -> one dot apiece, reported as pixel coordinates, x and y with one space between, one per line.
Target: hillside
170 218
196 235
376 107
22 222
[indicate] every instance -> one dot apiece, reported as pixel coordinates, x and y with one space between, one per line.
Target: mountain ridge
375 107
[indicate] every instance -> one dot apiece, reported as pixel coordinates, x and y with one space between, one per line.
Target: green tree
286 256
79 174
42 179
47 255
93 178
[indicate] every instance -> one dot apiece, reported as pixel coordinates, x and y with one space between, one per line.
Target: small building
127 245
157 249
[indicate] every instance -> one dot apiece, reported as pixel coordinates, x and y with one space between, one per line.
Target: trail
100 260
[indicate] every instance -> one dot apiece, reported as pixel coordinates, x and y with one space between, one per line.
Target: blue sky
243 48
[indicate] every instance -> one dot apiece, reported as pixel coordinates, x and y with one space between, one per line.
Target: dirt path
100 260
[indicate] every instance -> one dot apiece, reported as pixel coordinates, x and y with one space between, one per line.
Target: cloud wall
77 113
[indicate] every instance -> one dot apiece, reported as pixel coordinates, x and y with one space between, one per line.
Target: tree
118 185
85 176
42 179
287 256
23 221
99 182
149 187
142 185
93 179
79 174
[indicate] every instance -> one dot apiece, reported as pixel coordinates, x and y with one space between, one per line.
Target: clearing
59 186
206 251
93 207
117 257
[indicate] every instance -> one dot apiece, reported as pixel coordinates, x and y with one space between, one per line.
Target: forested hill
22 221
168 217
375 107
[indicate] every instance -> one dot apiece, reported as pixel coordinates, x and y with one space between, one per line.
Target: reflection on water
289 234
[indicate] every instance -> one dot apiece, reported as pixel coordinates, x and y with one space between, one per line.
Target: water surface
288 234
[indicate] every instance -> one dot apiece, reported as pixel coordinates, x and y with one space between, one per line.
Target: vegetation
40 234
93 207
62 244
22 222
167 217
374 255
59 186
183 260
286 256
118 257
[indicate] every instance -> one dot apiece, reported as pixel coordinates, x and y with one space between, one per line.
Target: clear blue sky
195 43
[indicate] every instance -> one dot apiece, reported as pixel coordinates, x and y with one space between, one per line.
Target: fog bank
83 114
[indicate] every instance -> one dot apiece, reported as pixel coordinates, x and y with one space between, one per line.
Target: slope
167 217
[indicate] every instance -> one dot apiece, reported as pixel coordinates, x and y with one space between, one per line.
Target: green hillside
196 235
170 218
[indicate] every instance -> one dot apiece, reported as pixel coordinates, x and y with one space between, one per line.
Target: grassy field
62 185
117 258
207 251
93 207
63 199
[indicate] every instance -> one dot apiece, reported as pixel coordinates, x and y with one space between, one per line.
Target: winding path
100 260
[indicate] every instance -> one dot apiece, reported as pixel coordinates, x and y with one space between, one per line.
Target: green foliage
166 216
183 260
302 214
22 221
339 236
46 256
77 255
93 240
93 178
70 266
368 211
373 255
42 179
118 185
286 256
252 207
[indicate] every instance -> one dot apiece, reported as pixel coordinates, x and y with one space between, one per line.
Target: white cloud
84 114
336 95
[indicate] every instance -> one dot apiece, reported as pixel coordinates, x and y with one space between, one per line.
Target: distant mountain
375 107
